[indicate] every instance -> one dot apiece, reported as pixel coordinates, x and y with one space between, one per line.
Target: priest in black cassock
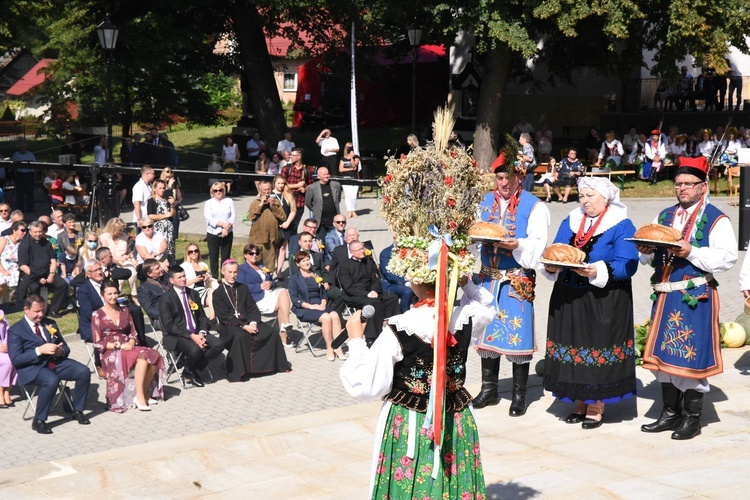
253 347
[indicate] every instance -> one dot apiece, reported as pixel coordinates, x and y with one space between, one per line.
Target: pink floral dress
119 364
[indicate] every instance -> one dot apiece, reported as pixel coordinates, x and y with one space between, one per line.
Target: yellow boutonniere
321 245
318 279
368 252
79 242
52 330
203 266
265 270
193 306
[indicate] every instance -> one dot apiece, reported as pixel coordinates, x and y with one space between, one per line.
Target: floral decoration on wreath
437 185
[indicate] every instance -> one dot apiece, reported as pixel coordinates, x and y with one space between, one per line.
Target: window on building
290 82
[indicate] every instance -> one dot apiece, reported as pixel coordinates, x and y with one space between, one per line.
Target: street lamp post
415 36
108 34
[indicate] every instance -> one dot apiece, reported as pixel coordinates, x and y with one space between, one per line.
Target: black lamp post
415 36
108 33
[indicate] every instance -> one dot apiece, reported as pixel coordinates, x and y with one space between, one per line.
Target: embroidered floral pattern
678 337
398 475
589 356
420 377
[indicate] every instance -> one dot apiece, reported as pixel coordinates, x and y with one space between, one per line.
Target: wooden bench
619 175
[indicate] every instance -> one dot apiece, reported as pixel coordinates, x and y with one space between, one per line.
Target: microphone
367 312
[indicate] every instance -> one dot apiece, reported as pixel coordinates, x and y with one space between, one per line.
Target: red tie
50 364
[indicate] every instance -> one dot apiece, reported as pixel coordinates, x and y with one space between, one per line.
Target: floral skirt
400 476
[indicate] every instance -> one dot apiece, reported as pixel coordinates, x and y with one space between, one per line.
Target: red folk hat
499 162
656 131
693 166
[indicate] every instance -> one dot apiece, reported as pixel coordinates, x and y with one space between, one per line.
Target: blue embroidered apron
684 340
512 330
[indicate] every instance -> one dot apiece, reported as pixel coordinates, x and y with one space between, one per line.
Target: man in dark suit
109 269
40 354
152 288
360 281
341 254
185 327
309 226
306 244
395 284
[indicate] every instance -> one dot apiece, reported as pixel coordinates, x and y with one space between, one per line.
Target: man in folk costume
683 346
611 152
655 151
508 273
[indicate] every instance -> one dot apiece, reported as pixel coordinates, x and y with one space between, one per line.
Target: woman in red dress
135 374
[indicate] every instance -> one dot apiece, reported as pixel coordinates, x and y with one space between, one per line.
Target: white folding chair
308 330
62 392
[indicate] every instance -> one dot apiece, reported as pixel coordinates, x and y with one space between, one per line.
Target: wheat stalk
443 124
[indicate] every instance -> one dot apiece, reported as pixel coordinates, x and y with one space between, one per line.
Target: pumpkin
734 335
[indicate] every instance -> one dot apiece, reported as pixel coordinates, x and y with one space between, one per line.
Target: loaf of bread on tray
560 252
657 232
481 229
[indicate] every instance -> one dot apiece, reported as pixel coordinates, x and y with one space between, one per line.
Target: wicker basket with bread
560 254
656 236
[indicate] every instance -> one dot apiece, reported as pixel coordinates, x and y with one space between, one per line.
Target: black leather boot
488 396
690 425
653 177
671 413
520 378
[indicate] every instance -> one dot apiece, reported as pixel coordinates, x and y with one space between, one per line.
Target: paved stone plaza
299 435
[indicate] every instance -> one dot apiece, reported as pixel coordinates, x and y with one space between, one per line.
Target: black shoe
671 414
520 379
193 378
590 423
82 419
690 425
40 426
488 396
574 418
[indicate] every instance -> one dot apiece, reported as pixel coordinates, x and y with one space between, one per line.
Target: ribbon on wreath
445 294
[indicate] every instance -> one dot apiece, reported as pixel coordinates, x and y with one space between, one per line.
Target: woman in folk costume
590 357
508 273
611 152
427 444
683 345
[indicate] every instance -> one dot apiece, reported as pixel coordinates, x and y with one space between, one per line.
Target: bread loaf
481 229
560 252
657 232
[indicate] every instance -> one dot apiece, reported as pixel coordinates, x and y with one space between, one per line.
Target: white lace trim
614 216
421 321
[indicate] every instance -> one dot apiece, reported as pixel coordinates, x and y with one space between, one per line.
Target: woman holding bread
590 358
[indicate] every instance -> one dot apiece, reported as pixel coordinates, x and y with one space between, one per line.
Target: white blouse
216 211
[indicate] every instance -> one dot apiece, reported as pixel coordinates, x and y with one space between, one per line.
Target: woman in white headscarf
590 357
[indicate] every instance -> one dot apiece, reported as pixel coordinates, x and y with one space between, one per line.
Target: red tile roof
34 77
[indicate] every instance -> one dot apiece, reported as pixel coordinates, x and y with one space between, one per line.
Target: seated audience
185 327
197 274
69 260
5 221
39 352
361 285
69 233
87 251
152 288
268 298
115 238
309 226
149 244
8 374
253 348
310 302
114 337
336 236
89 298
9 272
394 284
38 264
15 215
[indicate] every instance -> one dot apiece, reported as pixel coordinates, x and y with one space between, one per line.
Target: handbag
182 213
